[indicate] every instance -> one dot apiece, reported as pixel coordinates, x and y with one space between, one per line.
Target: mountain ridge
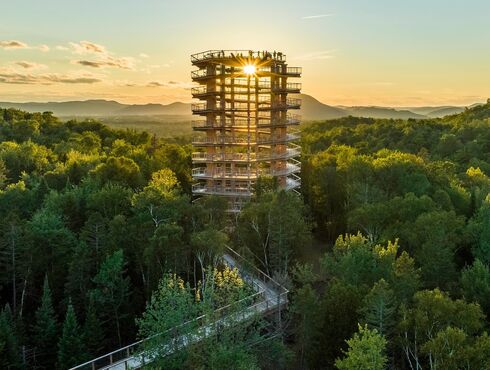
312 109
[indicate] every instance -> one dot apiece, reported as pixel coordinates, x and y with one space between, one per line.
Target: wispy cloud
87 47
174 84
101 57
143 55
317 16
30 65
108 62
316 55
15 44
13 76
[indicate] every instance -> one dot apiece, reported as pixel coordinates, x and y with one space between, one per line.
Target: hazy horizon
353 53
188 102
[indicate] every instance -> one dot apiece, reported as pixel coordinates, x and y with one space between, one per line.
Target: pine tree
379 308
71 349
45 329
111 294
9 345
93 335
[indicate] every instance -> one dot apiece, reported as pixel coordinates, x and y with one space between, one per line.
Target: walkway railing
269 295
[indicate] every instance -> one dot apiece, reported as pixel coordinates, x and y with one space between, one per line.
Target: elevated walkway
268 297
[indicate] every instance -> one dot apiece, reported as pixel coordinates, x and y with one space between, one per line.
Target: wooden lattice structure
247 131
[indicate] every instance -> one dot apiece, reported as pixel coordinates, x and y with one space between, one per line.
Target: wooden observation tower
247 131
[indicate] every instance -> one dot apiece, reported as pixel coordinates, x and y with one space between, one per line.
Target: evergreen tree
45 329
475 282
9 344
93 335
111 294
379 308
71 349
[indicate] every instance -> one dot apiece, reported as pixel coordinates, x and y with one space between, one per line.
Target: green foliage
275 226
111 293
93 335
119 170
379 308
45 328
432 313
71 348
106 213
9 341
366 351
475 283
338 321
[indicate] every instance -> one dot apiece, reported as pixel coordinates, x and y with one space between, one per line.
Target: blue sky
353 52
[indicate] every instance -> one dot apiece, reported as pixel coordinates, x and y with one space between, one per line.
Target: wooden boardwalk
269 297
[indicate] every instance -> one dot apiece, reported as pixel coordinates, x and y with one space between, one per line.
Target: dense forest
101 244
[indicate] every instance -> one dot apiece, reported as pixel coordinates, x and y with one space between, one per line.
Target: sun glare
249 69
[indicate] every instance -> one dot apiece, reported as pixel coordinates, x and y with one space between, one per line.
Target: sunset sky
353 52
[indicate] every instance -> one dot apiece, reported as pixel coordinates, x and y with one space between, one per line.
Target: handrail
244 83
231 140
248 272
250 106
216 54
244 123
204 172
260 72
245 157
203 189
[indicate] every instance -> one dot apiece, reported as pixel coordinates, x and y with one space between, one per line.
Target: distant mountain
311 109
101 108
445 112
382 112
70 108
424 110
176 108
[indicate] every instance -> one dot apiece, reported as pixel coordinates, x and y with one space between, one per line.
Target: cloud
143 55
316 55
102 57
61 47
43 47
173 84
13 44
108 61
317 16
30 65
87 47
10 76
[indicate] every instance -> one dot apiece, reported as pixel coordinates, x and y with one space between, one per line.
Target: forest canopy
96 224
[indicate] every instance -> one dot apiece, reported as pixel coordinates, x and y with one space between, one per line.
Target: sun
249 69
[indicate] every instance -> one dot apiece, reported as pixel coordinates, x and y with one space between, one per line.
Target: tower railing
220 54
265 86
237 173
260 71
263 104
243 157
233 140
